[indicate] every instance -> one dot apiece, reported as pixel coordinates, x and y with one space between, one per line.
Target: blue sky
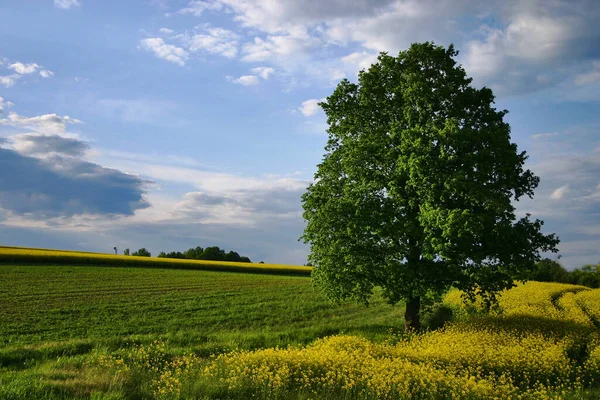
172 124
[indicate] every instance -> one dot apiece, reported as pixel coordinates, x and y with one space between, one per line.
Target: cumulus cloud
49 179
9 80
20 69
246 80
516 46
360 60
34 144
166 31
310 107
536 47
4 104
270 200
213 41
46 74
197 8
263 72
277 48
23 69
165 51
47 123
66 4
568 200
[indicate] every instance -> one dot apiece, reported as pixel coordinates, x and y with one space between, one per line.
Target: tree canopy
213 253
141 253
415 191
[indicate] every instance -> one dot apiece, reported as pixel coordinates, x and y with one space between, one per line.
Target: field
135 333
53 317
50 256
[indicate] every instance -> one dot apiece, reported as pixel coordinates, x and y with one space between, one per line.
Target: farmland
54 316
112 332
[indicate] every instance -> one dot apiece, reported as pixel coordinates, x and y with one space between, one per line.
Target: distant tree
547 270
261 262
141 253
213 253
232 256
194 253
126 252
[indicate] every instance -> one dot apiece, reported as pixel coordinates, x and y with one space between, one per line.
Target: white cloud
66 4
535 48
166 31
19 69
560 193
530 45
165 51
24 69
278 48
246 80
41 145
46 74
213 41
47 123
4 104
9 80
310 107
196 8
362 60
263 72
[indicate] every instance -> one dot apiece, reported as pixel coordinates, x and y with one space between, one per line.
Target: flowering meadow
540 342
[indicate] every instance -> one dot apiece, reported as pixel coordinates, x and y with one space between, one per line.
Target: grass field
52 317
99 332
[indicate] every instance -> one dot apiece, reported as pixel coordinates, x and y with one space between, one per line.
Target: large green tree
415 191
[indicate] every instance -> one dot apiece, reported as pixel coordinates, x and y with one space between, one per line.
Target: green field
53 316
187 331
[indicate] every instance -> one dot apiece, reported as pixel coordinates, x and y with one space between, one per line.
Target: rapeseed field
16 255
540 342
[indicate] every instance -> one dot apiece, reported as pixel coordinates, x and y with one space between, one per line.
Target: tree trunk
412 321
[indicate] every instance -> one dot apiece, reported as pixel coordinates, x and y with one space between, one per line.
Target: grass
53 316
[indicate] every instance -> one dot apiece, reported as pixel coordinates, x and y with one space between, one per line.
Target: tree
213 253
126 252
141 253
414 193
194 253
232 256
547 270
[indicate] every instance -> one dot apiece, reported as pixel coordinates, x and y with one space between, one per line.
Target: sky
172 124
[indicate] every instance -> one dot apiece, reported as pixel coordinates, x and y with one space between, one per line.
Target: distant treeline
213 253
548 270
